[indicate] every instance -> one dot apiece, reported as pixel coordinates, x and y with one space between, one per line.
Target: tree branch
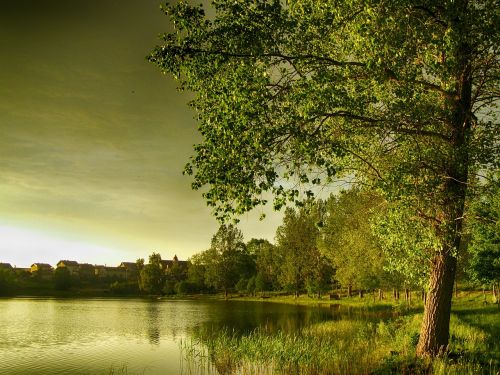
330 61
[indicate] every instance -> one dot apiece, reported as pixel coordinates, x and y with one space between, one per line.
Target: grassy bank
353 346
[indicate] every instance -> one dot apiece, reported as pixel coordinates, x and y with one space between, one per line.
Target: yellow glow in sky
29 246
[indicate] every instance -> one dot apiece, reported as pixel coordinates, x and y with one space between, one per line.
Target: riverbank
357 346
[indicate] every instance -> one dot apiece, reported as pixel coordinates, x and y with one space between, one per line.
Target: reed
342 347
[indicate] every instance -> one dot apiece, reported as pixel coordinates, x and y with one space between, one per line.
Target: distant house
6 266
72 266
131 271
41 270
166 265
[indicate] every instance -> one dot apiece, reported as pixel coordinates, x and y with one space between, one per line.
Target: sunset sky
93 139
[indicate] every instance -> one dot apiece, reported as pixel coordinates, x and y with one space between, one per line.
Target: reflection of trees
244 317
153 311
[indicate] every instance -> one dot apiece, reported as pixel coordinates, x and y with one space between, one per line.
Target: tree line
325 245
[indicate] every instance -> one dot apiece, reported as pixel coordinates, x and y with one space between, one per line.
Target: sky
93 139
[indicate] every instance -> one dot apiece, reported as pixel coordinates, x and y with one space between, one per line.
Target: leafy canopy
292 95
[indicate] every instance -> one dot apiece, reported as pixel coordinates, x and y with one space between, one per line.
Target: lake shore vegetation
355 345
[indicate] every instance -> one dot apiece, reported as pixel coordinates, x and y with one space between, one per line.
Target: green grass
350 346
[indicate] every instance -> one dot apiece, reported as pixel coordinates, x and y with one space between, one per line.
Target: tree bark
361 293
435 329
349 291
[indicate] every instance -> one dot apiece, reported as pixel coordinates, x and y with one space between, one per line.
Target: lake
99 336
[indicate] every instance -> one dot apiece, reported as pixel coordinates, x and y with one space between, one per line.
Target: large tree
399 95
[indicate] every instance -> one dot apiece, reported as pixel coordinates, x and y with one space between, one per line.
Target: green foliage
196 271
62 279
184 287
268 262
251 285
296 240
227 260
351 346
152 276
485 235
241 285
124 288
260 283
395 95
347 239
8 282
308 91
407 243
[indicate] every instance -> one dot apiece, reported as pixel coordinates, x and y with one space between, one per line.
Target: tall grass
339 347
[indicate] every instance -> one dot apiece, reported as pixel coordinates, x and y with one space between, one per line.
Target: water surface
99 336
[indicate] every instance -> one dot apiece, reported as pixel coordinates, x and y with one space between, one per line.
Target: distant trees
227 260
484 247
301 260
267 262
152 276
7 281
347 240
62 279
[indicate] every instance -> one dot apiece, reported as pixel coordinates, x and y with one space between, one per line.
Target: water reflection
153 330
48 336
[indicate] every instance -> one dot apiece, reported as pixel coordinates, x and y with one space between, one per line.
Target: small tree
224 259
152 277
296 240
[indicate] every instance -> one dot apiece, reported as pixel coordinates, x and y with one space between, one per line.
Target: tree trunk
225 293
361 293
394 295
397 294
380 295
407 295
349 291
435 329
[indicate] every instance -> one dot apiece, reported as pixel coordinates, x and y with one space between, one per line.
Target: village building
6 266
131 271
71 265
166 265
42 270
